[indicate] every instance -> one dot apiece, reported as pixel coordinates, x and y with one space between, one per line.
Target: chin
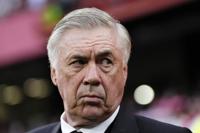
93 113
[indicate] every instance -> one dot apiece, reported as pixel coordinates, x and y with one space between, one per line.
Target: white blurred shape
144 94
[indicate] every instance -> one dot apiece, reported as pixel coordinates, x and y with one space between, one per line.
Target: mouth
91 99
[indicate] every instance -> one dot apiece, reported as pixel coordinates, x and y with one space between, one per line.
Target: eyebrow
101 53
78 56
104 53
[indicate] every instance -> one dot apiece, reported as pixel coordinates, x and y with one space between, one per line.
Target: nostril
96 83
92 82
86 83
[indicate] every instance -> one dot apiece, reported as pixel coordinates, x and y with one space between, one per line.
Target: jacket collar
125 122
57 129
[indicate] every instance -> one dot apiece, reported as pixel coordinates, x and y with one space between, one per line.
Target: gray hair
87 18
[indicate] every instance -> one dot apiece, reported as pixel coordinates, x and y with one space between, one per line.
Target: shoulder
149 125
46 128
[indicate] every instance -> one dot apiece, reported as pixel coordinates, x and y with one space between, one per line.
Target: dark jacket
125 122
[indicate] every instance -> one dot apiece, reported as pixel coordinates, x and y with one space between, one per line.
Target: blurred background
164 75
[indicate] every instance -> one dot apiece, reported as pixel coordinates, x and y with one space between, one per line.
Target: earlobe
53 76
125 72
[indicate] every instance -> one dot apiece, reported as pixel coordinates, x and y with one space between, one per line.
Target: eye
106 62
78 62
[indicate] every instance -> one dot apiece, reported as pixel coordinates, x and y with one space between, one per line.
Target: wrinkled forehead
95 50
81 38
98 41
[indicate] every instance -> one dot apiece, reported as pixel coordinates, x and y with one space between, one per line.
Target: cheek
114 95
114 85
116 89
68 85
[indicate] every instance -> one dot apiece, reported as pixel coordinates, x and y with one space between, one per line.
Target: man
88 52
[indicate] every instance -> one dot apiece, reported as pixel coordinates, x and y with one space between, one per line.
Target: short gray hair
87 18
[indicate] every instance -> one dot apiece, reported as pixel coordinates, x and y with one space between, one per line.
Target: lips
92 96
91 99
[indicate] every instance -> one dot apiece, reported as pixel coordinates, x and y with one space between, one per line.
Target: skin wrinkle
68 55
97 40
88 41
86 89
82 53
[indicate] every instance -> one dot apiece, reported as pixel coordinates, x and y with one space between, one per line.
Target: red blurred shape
20 37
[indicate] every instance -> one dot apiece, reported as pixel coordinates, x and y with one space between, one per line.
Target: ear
53 76
125 71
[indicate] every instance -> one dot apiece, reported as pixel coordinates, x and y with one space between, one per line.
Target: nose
92 76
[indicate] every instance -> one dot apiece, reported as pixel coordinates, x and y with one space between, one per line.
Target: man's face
90 75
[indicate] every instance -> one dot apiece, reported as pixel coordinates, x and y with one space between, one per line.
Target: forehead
81 38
